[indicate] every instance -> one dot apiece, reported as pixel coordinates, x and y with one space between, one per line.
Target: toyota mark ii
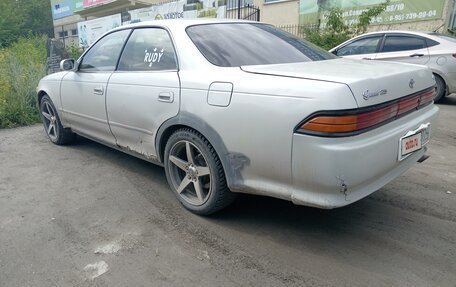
235 106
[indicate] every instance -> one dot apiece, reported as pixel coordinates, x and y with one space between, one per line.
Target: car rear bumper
334 172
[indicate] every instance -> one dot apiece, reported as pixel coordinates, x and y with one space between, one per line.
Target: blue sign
62 8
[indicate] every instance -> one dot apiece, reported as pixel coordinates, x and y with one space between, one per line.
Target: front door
144 91
83 91
361 49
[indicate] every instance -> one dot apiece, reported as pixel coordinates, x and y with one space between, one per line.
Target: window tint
238 44
362 46
104 54
148 49
431 43
403 43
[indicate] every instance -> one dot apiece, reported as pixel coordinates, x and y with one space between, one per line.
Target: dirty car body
267 114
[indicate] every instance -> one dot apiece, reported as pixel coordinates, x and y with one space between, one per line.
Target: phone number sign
398 11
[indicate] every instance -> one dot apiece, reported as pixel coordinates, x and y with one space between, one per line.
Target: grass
22 65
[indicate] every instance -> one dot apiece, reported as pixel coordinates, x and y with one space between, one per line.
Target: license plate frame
414 141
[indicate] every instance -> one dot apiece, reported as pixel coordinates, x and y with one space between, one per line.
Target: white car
437 51
235 106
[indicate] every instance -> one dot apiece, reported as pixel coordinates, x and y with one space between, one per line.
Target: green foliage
366 17
211 13
337 31
19 18
10 22
74 51
22 65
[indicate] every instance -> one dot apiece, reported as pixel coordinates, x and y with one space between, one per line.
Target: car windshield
445 37
240 44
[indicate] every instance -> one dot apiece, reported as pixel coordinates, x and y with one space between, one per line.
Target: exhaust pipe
423 158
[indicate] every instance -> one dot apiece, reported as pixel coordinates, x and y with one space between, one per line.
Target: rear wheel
195 173
52 125
440 88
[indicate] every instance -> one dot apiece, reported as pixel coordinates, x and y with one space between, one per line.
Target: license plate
414 140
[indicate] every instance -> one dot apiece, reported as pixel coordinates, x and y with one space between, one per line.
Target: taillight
345 123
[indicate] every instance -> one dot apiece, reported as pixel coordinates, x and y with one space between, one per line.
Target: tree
10 22
337 31
23 17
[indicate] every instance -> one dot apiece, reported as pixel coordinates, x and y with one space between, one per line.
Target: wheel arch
444 78
48 91
185 120
40 95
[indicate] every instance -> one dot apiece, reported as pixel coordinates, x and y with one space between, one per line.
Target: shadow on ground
450 100
250 213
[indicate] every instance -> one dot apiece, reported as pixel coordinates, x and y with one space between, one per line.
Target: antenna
439 28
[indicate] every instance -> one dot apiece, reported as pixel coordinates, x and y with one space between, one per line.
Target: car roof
181 23
417 33
424 34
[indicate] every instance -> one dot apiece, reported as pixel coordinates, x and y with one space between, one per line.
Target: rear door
404 48
144 91
362 48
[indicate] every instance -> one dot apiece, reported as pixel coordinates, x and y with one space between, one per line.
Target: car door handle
98 91
367 58
167 97
416 55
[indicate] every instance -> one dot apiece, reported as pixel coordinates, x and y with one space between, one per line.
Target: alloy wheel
189 172
50 120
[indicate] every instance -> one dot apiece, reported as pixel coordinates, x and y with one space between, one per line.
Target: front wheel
195 173
52 125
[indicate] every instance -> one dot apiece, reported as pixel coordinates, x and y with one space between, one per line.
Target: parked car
236 106
434 50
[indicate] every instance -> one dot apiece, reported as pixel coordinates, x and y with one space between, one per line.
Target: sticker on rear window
153 57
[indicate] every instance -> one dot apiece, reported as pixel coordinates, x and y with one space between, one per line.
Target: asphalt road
86 215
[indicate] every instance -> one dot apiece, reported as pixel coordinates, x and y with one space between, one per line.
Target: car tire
52 124
195 173
440 88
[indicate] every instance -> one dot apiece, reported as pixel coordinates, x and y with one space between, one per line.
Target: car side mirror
67 64
334 52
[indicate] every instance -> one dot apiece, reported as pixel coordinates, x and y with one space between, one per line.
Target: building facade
68 13
426 15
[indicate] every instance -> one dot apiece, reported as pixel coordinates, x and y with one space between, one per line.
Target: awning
111 7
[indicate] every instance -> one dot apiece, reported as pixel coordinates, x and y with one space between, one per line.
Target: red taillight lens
358 121
427 97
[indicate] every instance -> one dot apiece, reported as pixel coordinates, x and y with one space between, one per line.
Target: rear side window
148 49
239 44
403 43
432 43
103 55
362 46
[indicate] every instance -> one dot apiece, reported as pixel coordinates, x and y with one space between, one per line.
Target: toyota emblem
411 83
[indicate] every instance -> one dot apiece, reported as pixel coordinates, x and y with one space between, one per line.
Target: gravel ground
87 215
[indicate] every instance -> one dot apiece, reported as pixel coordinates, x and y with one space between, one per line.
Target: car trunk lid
371 82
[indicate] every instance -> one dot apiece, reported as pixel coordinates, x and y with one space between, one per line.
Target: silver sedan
437 51
235 106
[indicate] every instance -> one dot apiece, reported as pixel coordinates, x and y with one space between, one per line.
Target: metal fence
299 30
235 9
241 9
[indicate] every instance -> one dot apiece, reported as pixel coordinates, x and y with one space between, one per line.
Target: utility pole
63 37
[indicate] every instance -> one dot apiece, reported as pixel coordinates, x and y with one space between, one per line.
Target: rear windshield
240 44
